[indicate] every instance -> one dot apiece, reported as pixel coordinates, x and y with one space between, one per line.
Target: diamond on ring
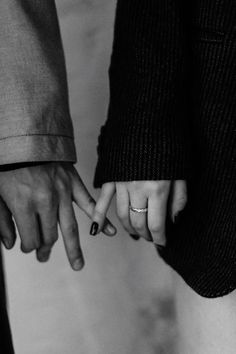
138 210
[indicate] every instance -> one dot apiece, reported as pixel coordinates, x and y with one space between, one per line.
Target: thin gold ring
138 210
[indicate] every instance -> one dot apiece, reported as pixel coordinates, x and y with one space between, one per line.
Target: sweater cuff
142 157
30 148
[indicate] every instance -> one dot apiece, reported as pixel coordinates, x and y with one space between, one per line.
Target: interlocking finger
85 202
101 208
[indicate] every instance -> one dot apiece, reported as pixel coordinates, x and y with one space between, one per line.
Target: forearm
147 133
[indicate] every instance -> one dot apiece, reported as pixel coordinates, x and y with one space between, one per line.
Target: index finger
85 202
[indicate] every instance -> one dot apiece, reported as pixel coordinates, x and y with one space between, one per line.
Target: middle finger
48 232
70 232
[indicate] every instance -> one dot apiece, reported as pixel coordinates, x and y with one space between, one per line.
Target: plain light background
120 303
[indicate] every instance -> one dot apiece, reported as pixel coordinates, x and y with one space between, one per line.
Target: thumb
7 227
179 198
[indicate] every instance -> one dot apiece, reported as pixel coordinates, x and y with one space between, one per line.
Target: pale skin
38 199
205 326
142 194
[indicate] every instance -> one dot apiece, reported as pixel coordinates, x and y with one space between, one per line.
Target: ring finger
139 220
28 228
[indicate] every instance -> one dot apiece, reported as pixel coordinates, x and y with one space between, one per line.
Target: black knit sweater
172 115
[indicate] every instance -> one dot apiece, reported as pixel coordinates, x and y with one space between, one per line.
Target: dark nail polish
94 228
135 237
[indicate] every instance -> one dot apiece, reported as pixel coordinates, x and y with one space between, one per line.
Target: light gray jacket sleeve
35 122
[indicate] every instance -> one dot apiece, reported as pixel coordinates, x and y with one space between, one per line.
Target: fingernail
78 264
111 229
94 228
135 237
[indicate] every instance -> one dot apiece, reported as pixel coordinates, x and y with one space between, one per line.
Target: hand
38 198
161 197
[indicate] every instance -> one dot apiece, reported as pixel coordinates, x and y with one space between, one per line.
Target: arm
147 134
35 123
145 148
36 129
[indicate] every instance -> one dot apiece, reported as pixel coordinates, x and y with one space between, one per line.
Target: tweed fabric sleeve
147 133
35 122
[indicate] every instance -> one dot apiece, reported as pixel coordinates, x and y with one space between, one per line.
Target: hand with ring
142 206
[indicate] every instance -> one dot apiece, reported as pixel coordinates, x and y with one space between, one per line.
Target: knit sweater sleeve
147 132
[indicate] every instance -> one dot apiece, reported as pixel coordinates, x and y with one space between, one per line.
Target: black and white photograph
117 177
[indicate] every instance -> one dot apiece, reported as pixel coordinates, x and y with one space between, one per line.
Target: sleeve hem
156 158
37 147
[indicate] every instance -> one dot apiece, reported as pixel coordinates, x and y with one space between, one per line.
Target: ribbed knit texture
172 115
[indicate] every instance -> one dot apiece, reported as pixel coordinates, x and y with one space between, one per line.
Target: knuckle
21 203
44 197
156 229
162 188
62 187
139 226
182 201
152 186
99 214
89 203
72 228
136 185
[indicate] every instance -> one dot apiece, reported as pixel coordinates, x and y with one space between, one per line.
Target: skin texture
161 197
35 200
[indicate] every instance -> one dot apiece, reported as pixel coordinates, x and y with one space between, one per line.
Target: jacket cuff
30 148
142 157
